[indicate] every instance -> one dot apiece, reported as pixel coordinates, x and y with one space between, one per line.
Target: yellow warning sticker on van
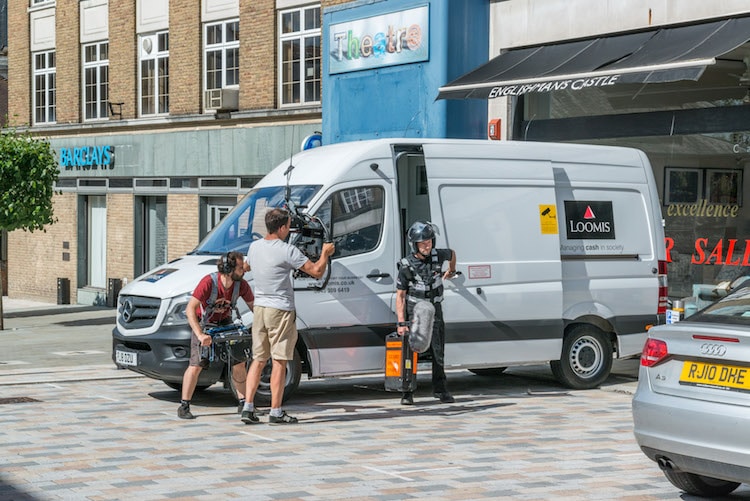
548 219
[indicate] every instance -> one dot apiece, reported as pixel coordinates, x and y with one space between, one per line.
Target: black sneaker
183 412
249 417
283 419
444 396
240 406
407 399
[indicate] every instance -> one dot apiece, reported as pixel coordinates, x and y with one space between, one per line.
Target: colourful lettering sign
396 38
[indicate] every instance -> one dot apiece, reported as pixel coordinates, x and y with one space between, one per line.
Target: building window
154 92
212 211
45 88
95 80
299 56
222 49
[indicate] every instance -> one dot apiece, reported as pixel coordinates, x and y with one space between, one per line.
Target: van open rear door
500 216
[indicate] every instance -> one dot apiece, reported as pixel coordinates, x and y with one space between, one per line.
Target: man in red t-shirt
202 315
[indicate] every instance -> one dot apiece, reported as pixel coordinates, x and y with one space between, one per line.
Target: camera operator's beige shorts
274 333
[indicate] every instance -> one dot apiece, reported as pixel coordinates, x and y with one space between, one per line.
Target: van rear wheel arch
586 358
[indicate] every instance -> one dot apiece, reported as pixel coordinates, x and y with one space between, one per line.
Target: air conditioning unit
222 99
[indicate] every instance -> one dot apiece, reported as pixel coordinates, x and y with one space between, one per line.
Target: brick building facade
148 163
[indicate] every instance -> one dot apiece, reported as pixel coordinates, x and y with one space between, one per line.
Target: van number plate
126 357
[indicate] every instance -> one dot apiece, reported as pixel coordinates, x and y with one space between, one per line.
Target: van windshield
245 222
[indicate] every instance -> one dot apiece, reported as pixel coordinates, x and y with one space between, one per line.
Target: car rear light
716 338
663 292
654 351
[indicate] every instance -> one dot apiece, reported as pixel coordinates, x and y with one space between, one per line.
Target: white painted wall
516 23
215 10
42 29
528 22
151 15
94 20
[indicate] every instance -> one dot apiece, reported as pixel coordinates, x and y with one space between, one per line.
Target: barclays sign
87 158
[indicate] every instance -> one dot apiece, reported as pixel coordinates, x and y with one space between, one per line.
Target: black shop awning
654 56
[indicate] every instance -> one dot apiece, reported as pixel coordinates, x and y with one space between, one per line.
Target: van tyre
698 485
293 376
586 359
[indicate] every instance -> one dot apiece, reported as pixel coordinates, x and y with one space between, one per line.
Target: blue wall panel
399 101
467 48
386 102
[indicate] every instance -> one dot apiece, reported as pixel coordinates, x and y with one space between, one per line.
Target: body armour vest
425 277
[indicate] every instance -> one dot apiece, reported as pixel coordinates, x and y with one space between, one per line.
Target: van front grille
137 312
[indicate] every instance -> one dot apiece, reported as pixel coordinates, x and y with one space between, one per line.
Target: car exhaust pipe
665 463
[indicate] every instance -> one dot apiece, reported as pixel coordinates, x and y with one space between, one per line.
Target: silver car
691 410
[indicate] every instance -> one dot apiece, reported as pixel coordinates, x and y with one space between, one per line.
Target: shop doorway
96 245
150 233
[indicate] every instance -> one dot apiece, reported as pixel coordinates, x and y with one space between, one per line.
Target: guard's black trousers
437 347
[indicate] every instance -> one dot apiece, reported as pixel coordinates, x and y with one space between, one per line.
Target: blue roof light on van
312 141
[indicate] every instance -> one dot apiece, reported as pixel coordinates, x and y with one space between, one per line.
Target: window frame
49 74
298 66
214 205
100 65
670 195
732 186
159 56
352 203
223 47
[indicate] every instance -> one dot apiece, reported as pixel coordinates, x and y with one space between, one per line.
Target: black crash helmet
419 232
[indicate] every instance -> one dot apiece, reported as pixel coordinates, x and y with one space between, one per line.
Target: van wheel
293 376
489 372
586 358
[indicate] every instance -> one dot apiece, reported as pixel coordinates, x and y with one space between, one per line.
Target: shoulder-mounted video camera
309 233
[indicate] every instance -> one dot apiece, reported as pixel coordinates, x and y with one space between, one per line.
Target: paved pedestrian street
515 436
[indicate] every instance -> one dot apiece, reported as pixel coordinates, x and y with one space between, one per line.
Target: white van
561 249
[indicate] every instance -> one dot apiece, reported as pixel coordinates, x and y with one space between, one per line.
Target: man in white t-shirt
272 260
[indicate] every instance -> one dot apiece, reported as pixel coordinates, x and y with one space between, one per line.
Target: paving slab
517 436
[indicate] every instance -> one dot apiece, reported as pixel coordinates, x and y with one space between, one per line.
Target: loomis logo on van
592 220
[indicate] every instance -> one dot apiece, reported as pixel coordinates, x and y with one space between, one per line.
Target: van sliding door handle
378 275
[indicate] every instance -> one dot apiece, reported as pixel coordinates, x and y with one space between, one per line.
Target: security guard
420 277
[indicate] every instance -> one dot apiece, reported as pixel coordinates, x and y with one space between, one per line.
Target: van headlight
177 311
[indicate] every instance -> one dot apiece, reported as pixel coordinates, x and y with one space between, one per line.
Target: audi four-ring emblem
127 310
716 350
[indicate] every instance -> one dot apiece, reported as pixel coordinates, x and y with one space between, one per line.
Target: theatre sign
394 38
